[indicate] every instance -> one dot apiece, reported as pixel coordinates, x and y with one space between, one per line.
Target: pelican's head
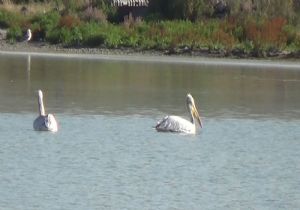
192 107
40 94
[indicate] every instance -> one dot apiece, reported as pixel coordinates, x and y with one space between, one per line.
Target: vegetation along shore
219 28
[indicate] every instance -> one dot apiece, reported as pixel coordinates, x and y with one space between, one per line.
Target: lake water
106 154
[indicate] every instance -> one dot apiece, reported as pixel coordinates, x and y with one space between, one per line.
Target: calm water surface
106 154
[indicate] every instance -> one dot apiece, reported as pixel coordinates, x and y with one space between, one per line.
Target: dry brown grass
224 39
69 21
269 32
31 9
131 22
95 14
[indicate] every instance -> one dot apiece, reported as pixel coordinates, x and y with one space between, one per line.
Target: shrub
66 36
8 19
291 33
181 9
114 36
69 21
67 31
94 40
223 39
295 44
94 14
207 28
268 33
14 34
47 21
44 23
92 34
131 39
71 5
5 19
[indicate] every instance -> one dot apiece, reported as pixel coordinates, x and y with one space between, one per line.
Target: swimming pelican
28 35
178 124
44 122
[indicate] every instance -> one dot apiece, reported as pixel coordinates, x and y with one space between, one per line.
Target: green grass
9 19
245 34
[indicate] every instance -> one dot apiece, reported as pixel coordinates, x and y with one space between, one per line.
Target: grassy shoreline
44 47
128 53
88 29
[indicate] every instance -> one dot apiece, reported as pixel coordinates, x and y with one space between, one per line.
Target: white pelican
178 124
28 35
44 122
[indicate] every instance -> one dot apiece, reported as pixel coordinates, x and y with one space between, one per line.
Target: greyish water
106 154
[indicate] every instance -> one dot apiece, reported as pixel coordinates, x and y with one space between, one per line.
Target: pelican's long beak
196 115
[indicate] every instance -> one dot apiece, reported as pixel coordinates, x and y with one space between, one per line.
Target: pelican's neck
192 119
41 106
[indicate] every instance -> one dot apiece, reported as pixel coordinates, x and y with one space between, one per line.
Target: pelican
28 35
44 122
178 124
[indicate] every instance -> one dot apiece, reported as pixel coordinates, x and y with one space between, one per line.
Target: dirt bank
186 52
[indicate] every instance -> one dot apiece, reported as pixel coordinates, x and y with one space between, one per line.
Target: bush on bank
89 28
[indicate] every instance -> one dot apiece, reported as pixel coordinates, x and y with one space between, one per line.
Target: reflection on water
28 73
28 63
120 87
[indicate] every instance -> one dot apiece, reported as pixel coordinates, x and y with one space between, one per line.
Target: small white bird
178 124
28 35
44 122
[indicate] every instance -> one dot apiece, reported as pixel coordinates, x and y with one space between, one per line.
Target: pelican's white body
44 122
176 124
28 35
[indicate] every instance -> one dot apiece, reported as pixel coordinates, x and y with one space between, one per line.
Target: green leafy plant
9 19
14 34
